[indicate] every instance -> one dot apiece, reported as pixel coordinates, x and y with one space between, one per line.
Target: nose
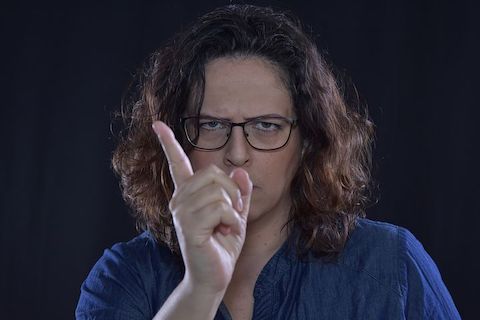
237 150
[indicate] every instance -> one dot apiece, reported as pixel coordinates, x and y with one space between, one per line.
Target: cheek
288 171
279 172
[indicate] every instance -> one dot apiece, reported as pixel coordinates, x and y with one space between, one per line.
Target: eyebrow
269 115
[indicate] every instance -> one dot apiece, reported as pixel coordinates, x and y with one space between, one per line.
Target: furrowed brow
270 115
205 115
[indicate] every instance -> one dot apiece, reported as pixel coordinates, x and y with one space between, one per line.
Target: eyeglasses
261 133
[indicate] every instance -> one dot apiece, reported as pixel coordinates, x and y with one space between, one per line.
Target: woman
255 207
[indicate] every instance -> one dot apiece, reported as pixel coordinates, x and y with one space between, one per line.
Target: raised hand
209 210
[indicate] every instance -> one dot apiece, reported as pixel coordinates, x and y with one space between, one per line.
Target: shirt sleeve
114 289
426 296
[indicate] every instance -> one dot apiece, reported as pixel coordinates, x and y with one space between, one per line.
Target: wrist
202 291
190 302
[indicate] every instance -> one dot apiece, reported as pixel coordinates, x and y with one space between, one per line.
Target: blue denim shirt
382 273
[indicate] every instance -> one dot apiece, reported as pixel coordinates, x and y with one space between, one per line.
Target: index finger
178 162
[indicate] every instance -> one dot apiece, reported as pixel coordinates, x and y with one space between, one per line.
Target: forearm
187 303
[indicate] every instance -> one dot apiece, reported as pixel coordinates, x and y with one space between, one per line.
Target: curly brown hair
330 188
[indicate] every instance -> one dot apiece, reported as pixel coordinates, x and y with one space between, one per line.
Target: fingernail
240 204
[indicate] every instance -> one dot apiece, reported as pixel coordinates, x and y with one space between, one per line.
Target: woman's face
241 88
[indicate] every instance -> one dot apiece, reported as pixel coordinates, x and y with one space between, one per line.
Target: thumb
243 181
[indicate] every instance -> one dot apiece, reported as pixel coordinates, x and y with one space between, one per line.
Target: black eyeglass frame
293 123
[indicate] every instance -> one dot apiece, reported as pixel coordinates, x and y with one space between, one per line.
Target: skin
218 192
236 89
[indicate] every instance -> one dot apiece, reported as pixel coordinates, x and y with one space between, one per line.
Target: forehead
245 87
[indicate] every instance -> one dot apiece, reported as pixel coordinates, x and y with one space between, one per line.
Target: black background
66 66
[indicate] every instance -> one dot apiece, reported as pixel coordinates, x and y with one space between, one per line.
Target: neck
264 237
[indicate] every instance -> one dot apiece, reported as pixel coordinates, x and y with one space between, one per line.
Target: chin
253 216
258 209
255 211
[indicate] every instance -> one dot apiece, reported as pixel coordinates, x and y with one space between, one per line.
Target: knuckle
173 203
171 206
213 172
176 206
179 218
217 189
213 168
222 194
221 206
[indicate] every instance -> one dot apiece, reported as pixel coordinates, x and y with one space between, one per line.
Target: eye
211 124
267 125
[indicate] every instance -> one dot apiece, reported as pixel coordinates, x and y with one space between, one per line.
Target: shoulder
369 234
373 240
140 251
373 250
128 280
395 258
141 255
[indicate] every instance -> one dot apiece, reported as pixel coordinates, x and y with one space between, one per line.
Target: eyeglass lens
261 133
